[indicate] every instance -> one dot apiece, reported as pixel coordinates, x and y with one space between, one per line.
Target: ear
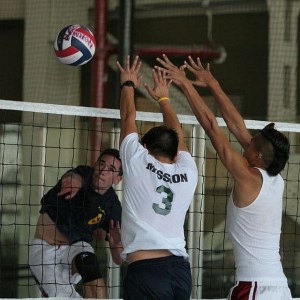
117 179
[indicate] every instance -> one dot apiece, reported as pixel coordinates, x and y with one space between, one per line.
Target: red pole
99 69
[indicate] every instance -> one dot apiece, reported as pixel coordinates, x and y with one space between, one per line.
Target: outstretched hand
202 75
114 234
130 72
161 84
70 185
177 75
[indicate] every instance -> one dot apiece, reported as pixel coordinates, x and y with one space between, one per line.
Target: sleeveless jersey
156 198
255 233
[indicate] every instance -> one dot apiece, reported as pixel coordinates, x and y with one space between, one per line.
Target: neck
99 190
164 159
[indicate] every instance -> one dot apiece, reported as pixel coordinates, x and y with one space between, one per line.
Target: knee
87 266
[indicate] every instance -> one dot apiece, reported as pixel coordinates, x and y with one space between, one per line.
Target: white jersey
156 198
255 233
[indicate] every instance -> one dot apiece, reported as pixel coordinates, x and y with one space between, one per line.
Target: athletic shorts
247 290
164 278
51 266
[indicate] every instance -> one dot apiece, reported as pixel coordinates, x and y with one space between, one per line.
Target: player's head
274 148
161 141
107 170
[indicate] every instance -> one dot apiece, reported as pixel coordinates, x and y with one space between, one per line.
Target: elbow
128 117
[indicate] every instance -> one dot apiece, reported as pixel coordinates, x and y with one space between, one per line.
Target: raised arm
232 160
232 117
129 80
160 93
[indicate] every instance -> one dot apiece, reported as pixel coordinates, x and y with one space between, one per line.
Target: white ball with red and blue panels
75 45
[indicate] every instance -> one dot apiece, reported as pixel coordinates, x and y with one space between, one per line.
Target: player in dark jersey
83 204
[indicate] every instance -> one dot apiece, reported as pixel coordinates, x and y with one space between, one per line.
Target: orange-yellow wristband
163 99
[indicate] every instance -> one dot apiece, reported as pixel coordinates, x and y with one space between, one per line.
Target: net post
113 274
196 225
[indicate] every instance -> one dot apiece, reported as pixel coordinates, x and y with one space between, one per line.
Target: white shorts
51 266
252 290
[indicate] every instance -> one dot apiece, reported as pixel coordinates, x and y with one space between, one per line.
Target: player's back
156 198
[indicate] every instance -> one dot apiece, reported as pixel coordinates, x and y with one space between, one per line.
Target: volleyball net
40 142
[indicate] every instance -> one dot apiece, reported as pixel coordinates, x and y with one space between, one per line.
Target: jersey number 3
167 201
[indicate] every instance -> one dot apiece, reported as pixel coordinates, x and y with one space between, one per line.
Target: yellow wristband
163 99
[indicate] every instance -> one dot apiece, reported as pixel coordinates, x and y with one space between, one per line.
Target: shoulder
130 137
185 158
247 189
112 195
276 180
129 146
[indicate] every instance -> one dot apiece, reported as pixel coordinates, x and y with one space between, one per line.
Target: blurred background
252 47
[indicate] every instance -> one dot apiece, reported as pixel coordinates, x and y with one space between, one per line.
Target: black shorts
165 278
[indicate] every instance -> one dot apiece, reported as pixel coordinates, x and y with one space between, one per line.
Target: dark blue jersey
86 212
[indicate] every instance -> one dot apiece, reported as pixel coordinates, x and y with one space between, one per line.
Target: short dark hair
115 153
281 149
161 140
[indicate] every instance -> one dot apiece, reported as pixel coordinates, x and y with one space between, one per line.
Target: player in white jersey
160 177
255 205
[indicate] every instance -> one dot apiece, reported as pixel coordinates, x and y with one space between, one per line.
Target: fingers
166 62
182 68
197 66
160 75
165 57
191 68
136 64
135 67
150 91
120 67
127 64
192 62
161 84
63 192
114 225
166 73
111 224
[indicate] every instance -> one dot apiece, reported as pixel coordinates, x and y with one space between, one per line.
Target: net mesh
51 139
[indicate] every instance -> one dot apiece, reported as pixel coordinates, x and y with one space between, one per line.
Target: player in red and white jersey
255 205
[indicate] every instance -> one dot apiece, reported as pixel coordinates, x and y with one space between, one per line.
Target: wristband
127 83
163 99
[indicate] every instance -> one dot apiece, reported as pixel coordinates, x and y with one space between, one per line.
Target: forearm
170 120
228 111
127 111
232 117
201 111
116 254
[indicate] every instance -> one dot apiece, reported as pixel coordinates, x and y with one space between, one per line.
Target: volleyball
74 45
